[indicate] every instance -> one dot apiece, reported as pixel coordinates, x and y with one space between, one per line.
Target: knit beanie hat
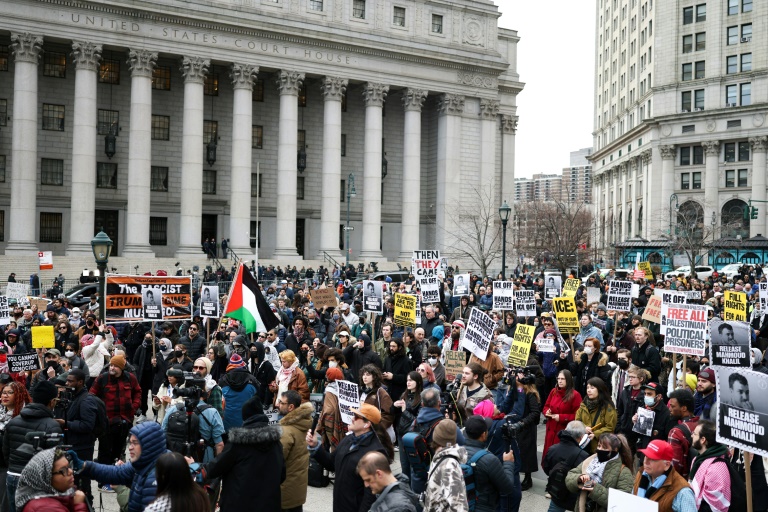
206 362
44 392
334 374
118 360
445 433
235 362
254 407
86 340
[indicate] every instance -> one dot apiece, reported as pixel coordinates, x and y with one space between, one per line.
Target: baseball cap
653 386
658 450
368 412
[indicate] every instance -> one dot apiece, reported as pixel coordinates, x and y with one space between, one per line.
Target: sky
555 60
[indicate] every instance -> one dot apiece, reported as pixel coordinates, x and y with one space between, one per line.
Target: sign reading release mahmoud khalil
742 409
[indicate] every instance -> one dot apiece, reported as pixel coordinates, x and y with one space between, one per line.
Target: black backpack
176 432
102 421
556 484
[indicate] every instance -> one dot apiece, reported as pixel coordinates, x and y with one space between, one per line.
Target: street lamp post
351 192
672 199
504 212
102 248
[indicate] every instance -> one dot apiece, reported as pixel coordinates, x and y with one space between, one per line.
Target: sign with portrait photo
552 286
373 297
742 416
151 303
461 285
730 344
209 302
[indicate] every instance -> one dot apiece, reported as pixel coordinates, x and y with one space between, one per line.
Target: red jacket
680 444
55 504
567 412
122 395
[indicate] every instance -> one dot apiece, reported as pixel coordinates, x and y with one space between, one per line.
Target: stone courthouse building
169 121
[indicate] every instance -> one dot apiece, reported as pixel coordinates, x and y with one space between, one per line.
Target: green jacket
616 476
606 422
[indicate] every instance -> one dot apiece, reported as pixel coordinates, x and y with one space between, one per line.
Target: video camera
38 441
510 378
193 387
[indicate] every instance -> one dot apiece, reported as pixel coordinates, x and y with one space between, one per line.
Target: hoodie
427 416
237 387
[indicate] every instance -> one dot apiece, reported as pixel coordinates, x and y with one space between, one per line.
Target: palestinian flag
247 304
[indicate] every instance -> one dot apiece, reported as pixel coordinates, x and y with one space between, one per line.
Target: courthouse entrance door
110 221
300 226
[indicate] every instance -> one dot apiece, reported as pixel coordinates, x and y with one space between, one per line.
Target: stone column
194 70
23 213
508 131
289 83
450 109
242 76
413 99
634 167
711 185
646 163
333 88
86 57
757 226
607 217
374 94
142 63
668 183
489 115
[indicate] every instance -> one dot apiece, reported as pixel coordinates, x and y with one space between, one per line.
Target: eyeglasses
193 328
135 443
6 393
421 370
198 367
261 336
62 328
63 471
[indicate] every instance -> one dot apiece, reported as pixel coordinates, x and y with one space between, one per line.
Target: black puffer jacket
81 420
586 369
493 478
32 418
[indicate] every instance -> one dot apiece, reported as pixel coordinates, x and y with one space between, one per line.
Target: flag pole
229 293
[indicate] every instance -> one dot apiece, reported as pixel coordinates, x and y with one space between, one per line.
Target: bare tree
689 233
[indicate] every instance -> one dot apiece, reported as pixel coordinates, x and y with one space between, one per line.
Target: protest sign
525 302
566 314
151 303
742 417
124 297
455 360
209 302
43 336
430 289
691 295
40 304
645 266
671 296
644 425
478 334
17 291
545 342
620 500
552 286
324 298
5 311
763 297
461 285
405 309
571 287
685 328
503 295
730 344
652 311
735 306
638 274
418 309
593 295
349 398
425 263
45 260
23 362
521 345
373 297
619 296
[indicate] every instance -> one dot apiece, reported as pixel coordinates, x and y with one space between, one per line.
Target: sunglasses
198 367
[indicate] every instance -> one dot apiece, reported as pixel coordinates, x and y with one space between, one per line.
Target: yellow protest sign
566 314
43 336
645 266
571 287
735 306
405 309
521 345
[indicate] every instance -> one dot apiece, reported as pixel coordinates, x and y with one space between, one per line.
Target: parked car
621 273
80 295
730 271
398 276
702 272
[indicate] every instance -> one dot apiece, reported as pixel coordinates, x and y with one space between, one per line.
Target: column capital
26 47
194 69
86 55
142 62
489 109
451 104
413 99
289 82
509 124
711 147
759 144
334 88
243 75
667 152
646 155
374 94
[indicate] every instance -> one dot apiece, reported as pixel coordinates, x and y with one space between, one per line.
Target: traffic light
754 213
745 213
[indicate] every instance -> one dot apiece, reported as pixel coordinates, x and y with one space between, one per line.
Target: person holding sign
597 411
653 403
660 482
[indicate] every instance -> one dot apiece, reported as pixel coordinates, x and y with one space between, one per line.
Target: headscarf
35 480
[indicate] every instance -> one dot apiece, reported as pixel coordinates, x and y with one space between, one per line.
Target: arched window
690 221
732 221
640 221
655 258
629 224
724 258
750 258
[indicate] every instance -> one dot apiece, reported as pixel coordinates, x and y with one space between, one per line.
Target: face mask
69 353
254 355
535 324
588 350
649 400
3 358
178 353
432 361
604 455
623 364
332 364
89 323
335 317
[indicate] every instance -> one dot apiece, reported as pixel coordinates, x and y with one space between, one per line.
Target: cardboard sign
23 362
566 314
17 291
652 312
461 285
571 287
349 398
124 297
425 263
478 334
619 500
209 302
645 266
43 336
373 297
685 329
41 304
619 296
5 311
324 297
730 344
742 415
46 260
735 306
151 303
525 302
504 295
521 345
430 289
405 309
455 360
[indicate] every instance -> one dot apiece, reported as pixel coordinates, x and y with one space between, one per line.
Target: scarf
284 377
272 356
712 452
642 491
596 468
332 388
591 405
5 417
35 480
298 332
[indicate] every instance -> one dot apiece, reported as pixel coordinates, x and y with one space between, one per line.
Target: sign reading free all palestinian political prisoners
349 398
430 289
525 302
425 263
685 326
619 296
124 299
742 416
730 344
477 336
504 295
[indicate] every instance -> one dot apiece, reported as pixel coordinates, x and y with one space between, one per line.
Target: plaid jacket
121 395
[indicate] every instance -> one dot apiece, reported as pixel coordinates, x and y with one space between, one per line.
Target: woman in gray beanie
48 484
